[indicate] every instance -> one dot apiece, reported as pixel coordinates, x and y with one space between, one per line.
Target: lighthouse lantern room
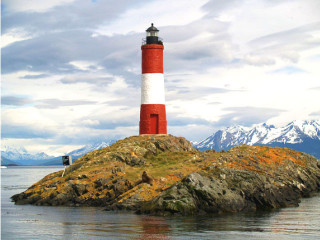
153 110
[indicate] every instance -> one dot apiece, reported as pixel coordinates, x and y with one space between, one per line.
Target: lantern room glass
152 34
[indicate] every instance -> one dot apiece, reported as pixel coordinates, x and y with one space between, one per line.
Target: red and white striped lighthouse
153 110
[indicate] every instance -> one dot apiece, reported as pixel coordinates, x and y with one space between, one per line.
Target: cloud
25 132
15 101
36 76
87 78
178 120
112 124
102 119
174 92
73 67
197 46
78 15
216 7
315 114
191 132
258 60
315 88
43 103
287 44
246 116
59 50
119 55
32 6
56 103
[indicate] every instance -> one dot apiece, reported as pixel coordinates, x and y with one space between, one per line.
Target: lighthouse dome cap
152 29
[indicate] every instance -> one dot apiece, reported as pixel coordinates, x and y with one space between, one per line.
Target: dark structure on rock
146 178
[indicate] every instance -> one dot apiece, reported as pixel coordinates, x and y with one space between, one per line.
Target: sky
71 69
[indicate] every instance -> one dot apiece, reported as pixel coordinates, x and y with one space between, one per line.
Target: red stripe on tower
153 110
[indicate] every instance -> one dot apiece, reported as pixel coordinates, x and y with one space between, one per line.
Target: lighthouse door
154 120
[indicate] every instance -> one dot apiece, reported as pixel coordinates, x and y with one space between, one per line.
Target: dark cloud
315 114
86 79
211 51
38 76
288 36
199 54
15 101
181 33
176 92
246 116
56 103
42 103
215 7
77 15
287 44
65 33
119 54
25 132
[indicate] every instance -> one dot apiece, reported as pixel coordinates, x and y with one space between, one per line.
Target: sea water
44 222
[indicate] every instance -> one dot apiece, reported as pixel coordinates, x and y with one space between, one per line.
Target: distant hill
20 156
7 162
89 148
298 135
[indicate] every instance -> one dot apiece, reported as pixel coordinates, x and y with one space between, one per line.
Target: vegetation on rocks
185 180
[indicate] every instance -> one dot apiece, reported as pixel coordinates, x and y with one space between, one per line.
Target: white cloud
33 5
258 60
84 65
159 12
15 35
254 19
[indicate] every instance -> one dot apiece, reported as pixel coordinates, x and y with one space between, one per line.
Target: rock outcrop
184 180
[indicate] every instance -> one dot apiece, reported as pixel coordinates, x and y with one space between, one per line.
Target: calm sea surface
33 222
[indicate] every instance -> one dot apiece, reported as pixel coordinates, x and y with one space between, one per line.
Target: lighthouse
153 110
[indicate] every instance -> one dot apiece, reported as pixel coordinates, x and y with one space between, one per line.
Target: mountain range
298 135
17 156
20 156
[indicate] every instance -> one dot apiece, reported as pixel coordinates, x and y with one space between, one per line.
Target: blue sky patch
289 70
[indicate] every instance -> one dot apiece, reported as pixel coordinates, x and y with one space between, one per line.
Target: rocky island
178 179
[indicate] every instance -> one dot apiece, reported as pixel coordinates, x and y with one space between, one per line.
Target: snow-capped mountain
22 157
89 148
299 135
81 151
21 154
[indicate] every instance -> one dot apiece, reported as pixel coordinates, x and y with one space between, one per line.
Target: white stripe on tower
152 88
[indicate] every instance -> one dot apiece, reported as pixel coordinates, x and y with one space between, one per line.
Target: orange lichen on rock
144 192
260 159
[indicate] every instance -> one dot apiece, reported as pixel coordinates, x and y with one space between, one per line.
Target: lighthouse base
153 119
